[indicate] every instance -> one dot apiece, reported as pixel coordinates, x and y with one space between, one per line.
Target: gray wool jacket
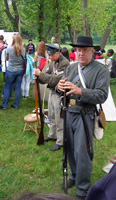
97 84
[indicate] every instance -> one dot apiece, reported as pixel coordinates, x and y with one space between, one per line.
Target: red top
73 56
98 56
42 63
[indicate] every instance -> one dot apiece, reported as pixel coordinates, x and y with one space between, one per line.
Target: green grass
25 166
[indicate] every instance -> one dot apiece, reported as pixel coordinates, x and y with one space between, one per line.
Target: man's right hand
36 72
61 85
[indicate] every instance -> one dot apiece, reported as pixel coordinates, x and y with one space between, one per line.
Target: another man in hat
52 76
80 112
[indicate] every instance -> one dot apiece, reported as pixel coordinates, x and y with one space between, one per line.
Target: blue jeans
4 86
10 79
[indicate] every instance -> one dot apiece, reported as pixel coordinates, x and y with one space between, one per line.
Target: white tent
109 108
7 36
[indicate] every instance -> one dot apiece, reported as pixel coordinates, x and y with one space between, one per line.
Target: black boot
55 147
47 139
70 184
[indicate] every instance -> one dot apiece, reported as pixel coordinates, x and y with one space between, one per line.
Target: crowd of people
62 75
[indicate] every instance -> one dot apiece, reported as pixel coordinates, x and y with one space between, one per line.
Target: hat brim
81 45
54 46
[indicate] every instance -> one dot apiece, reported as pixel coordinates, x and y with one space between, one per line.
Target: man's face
84 55
108 53
53 40
54 57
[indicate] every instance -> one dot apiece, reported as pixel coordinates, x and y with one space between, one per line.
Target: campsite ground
25 166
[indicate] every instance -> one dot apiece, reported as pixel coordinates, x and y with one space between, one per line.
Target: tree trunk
14 20
48 33
19 27
57 17
84 19
41 20
72 32
104 38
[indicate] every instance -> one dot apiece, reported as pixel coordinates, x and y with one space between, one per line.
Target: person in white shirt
110 52
4 64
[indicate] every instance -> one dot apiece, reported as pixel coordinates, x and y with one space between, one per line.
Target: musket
37 94
64 160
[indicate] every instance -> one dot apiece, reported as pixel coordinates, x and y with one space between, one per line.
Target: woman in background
65 53
25 85
73 55
14 72
4 65
39 58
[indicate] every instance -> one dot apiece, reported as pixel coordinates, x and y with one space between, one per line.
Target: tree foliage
42 18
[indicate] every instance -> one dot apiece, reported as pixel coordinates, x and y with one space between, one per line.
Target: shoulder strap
85 70
22 57
25 56
81 76
112 59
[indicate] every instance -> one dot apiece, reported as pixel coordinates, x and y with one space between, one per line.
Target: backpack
1 46
24 63
113 69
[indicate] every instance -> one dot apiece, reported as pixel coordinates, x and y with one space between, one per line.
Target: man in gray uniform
52 76
80 112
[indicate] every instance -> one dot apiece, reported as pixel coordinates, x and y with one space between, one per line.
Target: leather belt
81 106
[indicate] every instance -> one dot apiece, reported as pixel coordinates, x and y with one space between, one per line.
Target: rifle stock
41 135
64 148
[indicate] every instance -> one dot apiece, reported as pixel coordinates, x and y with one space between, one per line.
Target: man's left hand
73 88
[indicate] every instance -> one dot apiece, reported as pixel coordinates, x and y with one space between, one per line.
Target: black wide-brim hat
83 41
52 48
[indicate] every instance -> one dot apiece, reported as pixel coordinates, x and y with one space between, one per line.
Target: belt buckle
72 102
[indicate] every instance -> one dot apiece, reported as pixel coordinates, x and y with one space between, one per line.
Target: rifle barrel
41 135
64 148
